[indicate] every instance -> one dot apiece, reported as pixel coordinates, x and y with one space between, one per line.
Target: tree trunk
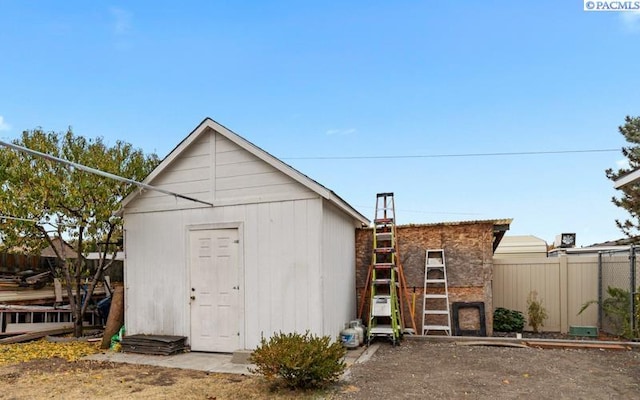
78 308
77 323
115 320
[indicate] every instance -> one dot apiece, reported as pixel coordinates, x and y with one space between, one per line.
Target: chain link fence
618 292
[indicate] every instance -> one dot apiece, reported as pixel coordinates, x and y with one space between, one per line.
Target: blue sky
360 78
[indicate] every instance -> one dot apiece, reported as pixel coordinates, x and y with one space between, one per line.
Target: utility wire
517 153
424 212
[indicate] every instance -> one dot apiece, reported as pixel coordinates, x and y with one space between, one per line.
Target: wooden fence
563 284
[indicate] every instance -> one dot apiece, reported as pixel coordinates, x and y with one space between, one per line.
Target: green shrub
505 320
537 312
299 361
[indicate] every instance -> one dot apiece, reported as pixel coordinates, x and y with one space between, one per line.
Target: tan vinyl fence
563 285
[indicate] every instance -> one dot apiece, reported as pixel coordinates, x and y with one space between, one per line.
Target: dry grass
42 369
85 379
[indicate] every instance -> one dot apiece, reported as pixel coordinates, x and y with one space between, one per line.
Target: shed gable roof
208 124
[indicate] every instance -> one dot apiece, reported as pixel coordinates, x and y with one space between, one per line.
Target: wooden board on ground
575 345
37 326
491 343
35 335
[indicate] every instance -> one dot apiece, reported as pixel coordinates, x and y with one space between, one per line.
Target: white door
214 290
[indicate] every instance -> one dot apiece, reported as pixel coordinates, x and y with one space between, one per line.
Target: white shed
273 251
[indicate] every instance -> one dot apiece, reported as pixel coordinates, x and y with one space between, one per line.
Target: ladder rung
381 330
436 312
384 265
384 250
436 328
436 281
384 236
435 296
384 281
435 266
383 221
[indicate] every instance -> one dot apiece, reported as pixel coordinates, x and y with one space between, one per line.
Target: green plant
300 361
536 311
505 320
616 308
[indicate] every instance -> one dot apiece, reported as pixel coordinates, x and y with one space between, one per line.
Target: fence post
600 290
564 295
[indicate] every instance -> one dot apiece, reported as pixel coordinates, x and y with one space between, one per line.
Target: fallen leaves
42 349
350 389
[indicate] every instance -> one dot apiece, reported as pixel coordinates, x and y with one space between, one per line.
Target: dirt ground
415 369
419 370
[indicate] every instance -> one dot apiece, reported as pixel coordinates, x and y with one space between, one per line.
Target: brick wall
468 249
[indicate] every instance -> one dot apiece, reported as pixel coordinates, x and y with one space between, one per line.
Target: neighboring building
62 247
610 247
521 246
265 249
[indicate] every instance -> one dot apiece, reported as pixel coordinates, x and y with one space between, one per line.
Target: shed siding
155 276
219 171
280 285
190 174
242 177
339 270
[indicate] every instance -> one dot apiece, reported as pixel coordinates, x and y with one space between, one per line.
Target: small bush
299 361
537 312
616 309
505 320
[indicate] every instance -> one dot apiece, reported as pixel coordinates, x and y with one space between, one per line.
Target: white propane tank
357 325
349 337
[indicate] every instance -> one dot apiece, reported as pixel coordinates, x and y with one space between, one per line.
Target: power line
426 212
516 153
